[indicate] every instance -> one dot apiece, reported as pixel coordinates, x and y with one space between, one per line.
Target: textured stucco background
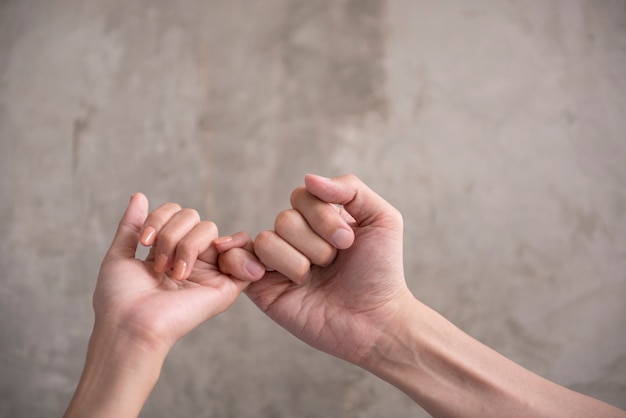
497 127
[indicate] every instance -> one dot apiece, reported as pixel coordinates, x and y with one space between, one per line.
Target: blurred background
498 128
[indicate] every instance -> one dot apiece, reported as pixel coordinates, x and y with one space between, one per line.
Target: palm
155 306
334 310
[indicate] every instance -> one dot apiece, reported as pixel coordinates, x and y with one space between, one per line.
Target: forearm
118 376
451 374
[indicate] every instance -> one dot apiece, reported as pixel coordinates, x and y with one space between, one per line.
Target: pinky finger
238 240
241 264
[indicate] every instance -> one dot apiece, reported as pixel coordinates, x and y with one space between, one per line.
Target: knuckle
296 194
264 237
262 244
286 219
211 227
300 270
189 213
166 242
156 219
325 256
162 214
171 206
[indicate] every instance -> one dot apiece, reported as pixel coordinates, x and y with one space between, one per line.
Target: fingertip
223 243
255 269
332 190
138 195
238 240
136 211
241 264
138 199
179 270
127 234
342 238
310 180
147 236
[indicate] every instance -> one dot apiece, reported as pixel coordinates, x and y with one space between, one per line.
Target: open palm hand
176 288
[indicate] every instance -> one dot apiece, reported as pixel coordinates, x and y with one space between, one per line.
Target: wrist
396 339
428 358
422 354
120 372
451 374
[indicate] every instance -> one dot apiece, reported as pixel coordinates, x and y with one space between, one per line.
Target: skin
330 273
142 307
353 303
359 289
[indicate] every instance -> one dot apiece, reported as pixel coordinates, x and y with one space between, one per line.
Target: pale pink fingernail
320 177
342 239
147 235
255 268
222 240
179 269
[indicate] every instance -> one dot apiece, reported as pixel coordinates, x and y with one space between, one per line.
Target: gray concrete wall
497 128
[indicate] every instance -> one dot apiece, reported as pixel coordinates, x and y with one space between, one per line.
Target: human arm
451 374
142 307
353 303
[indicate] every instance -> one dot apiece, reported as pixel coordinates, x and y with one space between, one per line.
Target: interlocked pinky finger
241 264
238 240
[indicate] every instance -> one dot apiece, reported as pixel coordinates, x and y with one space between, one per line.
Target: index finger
323 217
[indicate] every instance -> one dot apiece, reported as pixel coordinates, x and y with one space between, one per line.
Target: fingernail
256 269
323 178
160 262
222 240
179 269
342 239
146 236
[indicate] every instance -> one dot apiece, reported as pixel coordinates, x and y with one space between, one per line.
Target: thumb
361 202
127 235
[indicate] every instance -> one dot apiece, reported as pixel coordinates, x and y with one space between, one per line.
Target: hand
142 307
338 305
338 284
177 287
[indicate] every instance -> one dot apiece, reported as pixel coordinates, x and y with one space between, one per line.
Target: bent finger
155 221
238 240
169 236
291 226
361 202
277 254
195 243
323 217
